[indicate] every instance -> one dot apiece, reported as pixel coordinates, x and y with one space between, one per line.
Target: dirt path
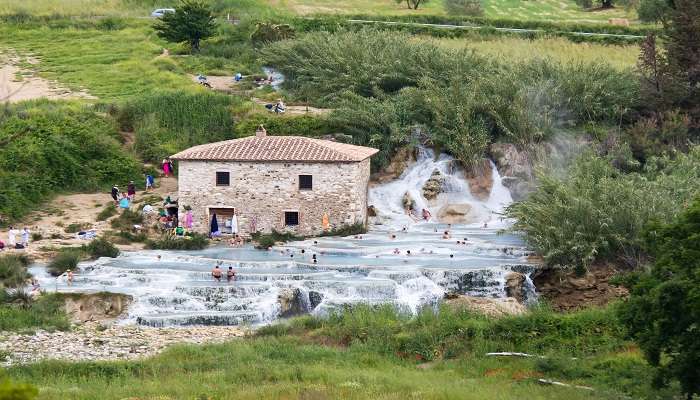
51 221
17 84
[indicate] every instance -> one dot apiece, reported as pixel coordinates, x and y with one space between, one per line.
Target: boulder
515 282
433 186
292 302
371 211
404 157
408 202
455 213
515 168
96 306
315 298
480 178
487 306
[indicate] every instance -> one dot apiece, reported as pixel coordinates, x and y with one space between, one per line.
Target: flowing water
399 261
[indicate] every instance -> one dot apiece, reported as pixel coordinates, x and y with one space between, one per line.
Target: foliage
101 247
411 3
653 11
107 212
53 147
13 270
13 391
267 240
193 241
663 311
357 228
66 259
282 125
659 134
126 220
596 212
191 22
464 7
45 313
167 122
267 32
77 227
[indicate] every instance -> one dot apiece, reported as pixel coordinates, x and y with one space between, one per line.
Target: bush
16 391
126 220
101 247
75 227
36 236
13 271
194 241
107 212
267 240
347 230
46 313
663 311
596 212
266 32
464 7
47 147
65 260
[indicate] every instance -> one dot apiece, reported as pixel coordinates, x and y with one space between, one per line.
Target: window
223 178
305 182
291 218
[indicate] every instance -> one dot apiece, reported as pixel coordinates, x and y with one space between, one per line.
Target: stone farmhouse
287 183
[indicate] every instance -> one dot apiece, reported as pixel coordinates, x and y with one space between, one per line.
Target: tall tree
191 22
682 34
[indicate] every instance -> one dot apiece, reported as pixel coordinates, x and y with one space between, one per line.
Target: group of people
217 274
124 199
277 108
12 242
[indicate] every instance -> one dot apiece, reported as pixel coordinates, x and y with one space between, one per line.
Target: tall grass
45 313
595 212
13 271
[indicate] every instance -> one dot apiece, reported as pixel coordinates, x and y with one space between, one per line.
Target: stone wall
267 189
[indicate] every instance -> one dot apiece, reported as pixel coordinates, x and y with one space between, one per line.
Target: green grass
46 313
560 50
307 361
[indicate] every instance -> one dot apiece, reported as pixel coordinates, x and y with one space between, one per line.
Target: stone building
287 183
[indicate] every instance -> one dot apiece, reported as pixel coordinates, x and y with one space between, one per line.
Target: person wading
216 273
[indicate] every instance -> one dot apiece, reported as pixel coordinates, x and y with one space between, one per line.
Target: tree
191 22
464 7
653 11
663 312
412 3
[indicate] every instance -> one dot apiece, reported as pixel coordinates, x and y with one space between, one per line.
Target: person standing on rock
216 273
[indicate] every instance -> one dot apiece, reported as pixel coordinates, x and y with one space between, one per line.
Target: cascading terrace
400 261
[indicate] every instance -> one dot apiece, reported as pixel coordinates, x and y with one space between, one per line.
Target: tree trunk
416 3
195 45
607 4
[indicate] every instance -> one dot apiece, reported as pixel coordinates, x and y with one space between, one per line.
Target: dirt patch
82 209
19 84
566 291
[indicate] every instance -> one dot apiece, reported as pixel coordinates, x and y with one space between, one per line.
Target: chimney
260 132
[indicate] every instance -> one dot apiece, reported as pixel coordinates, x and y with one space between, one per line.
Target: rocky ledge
92 341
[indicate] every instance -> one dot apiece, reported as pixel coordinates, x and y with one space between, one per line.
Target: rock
454 213
480 178
96 306
404 157
408 202
515 286
371 211
315 298
488 306
515 168
433 186
292 302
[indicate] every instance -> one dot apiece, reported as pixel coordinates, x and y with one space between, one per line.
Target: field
550 10
375 354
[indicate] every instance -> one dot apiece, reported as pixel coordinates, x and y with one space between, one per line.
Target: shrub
595 212
126 220
347 230
101 247
75 227
663 311
65 260
16 391
267 240
464 7
107 212
36 236
194 241
13 270
266 32
46 312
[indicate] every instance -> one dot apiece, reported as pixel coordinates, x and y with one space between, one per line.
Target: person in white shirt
11 237
25 236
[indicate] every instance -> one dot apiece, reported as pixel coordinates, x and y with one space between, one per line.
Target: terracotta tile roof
277 148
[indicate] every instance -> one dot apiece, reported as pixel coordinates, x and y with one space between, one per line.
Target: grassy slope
373 355
557 10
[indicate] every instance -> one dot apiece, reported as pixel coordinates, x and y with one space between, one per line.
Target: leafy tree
663 311
267 32
13 391
589 3
412 3
654 10
191 22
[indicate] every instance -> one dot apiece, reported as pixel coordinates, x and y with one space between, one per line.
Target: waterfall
388 198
